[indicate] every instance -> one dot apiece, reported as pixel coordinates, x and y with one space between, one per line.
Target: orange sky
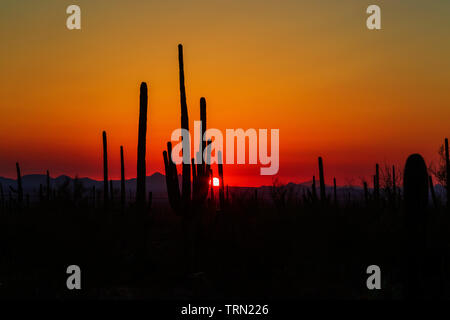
332 87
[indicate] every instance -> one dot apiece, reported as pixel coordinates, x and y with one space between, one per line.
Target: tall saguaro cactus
122 179
186 184
19 185
105 170
186 202
322 181
142 134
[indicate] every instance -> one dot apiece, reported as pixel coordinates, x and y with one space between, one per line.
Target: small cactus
415 183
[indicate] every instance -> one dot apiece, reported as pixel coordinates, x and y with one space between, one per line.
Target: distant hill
156 183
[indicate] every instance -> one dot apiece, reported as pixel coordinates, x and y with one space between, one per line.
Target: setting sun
215 182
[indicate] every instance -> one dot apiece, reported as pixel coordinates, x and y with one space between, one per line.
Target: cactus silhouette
186 173
122 179
19 186
142 135
322 182
181 202
415 183
105 171
415 186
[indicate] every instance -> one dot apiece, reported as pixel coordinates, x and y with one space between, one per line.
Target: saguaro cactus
415 186
182 202
415 183
322 181
105 171
186 184
122 179
142 135
19 185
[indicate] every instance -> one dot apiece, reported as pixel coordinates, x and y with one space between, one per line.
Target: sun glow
216 182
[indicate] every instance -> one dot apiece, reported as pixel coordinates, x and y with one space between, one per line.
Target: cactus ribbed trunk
122 179
105 171
186 173
142 134
447 167
19 185
321 181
